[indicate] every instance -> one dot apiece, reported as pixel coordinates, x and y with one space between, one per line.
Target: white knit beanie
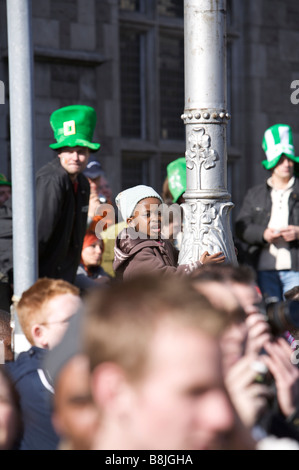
128 199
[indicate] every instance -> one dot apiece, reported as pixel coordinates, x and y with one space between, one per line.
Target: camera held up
282 316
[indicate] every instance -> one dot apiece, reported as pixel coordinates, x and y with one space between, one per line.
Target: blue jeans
276 283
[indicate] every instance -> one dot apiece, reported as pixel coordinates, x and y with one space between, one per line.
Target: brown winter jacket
134 256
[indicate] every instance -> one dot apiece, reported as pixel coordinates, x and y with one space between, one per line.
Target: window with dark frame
154 25
171 8
131 87
171 66
129 5
135 170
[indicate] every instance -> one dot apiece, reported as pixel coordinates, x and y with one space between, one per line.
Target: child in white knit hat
140 248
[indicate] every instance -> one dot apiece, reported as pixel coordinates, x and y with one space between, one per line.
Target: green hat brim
269 165
177 197
5 183
75 142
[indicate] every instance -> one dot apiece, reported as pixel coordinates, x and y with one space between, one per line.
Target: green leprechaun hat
4 181
278 141
74 126
177 180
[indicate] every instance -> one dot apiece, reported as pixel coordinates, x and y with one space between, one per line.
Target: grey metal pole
22 153
207 208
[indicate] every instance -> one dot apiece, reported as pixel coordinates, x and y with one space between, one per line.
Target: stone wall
270 63
76 60
74 44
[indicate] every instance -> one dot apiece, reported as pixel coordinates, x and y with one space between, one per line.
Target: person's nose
75 155
155 216
287 162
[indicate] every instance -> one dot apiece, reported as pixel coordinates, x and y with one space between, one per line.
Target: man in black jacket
269 218
63 193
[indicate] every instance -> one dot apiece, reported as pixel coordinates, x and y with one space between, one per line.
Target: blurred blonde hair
121 320
31 306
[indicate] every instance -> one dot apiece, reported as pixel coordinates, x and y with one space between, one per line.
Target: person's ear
132 222
61 158
37 333
110 388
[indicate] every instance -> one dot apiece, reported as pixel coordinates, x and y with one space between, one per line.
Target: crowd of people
129 350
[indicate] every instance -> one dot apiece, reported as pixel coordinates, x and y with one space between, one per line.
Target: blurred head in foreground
156 373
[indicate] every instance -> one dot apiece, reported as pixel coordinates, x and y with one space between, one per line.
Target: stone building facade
126 59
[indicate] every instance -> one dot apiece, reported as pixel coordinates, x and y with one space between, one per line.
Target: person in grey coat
269 218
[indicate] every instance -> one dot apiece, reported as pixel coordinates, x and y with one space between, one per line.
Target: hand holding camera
285 374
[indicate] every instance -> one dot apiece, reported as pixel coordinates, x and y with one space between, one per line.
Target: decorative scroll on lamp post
207 203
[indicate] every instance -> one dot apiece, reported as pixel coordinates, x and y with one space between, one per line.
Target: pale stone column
21 88
207 207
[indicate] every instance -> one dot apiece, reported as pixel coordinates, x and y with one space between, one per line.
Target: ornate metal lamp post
207 207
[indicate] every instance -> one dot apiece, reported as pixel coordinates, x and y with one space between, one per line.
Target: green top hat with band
278 141
74 126
4 181
177 180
